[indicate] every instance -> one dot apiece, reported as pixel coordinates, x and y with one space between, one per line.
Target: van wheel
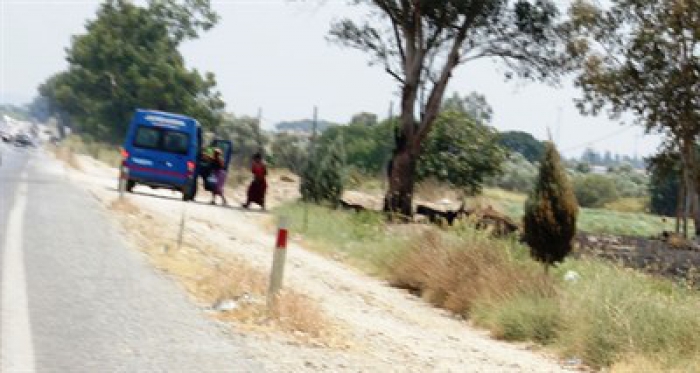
189 191
130 184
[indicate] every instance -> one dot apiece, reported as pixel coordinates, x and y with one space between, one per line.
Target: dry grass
103 152
66 155
295 312
642 364
632 205
123 205
212 277
456 274
433 191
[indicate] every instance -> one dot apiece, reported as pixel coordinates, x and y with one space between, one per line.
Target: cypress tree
550 212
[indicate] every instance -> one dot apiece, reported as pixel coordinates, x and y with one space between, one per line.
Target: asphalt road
75 298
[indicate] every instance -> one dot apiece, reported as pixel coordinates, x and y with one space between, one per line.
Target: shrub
289 151
550 211
526 317
518 174
323 177
460 151
594 190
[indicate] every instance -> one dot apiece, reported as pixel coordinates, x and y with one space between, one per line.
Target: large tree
421 42
641 57
129 58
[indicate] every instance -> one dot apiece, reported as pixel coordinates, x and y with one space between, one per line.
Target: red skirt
256 191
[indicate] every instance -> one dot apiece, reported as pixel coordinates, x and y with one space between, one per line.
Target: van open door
226 148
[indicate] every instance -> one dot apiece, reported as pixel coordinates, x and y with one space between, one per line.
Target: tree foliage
518 174
640 57
289 151
184 19
128 58
474 105
664 183
421 42
550 211
245 134
367 148
364 119
304 126
461 151
595 190
523 143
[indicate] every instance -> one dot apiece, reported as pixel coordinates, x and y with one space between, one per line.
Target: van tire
130 184
189 191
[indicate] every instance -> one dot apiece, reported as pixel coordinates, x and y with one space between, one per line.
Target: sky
273 56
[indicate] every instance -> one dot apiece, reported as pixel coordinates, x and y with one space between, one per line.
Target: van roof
162 117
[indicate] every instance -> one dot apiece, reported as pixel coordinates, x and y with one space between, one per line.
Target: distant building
599 170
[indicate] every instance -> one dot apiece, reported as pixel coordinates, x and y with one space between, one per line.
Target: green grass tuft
359 238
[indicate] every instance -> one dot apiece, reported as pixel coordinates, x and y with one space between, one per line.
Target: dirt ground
384 329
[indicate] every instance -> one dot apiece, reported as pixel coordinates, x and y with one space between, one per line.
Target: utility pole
311 154
258 132
315 127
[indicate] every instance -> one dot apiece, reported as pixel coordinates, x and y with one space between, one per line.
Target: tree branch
434 101
394 74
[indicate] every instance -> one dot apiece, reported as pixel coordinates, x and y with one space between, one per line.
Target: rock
571 276
572 362
225 305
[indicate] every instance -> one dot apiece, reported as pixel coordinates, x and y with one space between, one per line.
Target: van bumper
158 178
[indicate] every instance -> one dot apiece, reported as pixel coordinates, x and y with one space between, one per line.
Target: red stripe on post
282 239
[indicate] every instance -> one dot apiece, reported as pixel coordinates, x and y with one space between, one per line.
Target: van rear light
190 166
125 154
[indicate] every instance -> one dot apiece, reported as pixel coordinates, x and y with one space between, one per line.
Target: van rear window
175 142
162 139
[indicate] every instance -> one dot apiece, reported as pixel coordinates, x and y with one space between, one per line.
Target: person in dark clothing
204 168
258 187
218 171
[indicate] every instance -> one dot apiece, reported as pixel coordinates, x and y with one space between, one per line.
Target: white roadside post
123 177
278 260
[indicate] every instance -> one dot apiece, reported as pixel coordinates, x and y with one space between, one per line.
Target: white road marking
16 348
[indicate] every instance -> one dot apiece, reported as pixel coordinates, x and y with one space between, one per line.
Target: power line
602 138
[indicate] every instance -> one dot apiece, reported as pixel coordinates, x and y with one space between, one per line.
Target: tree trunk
399 198
689 179
679 204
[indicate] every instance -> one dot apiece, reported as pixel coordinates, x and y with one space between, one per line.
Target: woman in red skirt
258 187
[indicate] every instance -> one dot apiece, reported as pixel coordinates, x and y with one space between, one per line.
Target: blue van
162 150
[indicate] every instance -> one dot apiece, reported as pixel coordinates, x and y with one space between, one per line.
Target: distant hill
304 125
14 111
